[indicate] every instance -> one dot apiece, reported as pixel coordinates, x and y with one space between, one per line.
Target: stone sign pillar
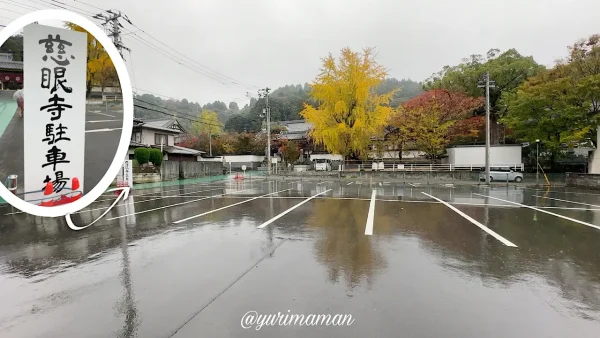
594 159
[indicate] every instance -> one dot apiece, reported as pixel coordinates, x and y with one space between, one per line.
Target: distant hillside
286 104
13 45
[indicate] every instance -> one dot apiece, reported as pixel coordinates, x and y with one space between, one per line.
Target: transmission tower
113 27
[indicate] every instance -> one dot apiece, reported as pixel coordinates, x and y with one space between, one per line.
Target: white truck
322 164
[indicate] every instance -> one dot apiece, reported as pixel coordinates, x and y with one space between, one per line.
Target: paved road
174 261
103 132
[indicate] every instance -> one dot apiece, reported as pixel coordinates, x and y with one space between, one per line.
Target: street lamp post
537 161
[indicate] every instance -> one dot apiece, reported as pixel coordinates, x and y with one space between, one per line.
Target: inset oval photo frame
102 186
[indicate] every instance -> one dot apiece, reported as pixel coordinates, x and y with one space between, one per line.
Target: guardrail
113 98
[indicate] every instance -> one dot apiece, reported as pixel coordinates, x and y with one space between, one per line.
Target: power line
156 105
132 71
5 17
207 71
160 95
8 10
89 5
178 116
182 62
21 5
51 4
196 62
64 4
46 4
172 98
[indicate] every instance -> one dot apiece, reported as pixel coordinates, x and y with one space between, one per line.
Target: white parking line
558 199
562 192
412 185
470 219
371 215
99 113
152 199
102 121
349 183
102 130
544 211
227 206
290 209
187 193
171 205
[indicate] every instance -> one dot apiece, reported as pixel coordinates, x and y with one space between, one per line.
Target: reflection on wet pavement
426 270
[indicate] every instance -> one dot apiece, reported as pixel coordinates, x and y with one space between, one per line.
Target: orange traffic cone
74 184
48 202
74 187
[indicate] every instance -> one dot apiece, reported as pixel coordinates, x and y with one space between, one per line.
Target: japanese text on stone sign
54 78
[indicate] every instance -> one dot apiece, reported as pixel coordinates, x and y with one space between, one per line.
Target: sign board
128 173
244 167
54 120
125 175
274 159
401 166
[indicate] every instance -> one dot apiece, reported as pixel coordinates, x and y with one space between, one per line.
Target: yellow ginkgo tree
100 68
348 111
207 123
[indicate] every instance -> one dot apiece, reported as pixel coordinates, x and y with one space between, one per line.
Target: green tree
404 90
239 124
155 157
142 155
233 106
559 106
550 107
14 45
509 70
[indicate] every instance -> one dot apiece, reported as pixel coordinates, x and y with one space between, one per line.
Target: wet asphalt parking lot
405 260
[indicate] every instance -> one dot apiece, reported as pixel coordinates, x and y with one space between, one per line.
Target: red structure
11 72
67 198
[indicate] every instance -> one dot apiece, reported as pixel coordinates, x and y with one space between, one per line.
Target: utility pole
487 84
113 27
265 93
209 142
537 162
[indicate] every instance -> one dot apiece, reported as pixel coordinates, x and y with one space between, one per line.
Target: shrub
156 157
142 155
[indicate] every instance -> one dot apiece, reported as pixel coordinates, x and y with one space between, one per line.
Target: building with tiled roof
161 134
11 72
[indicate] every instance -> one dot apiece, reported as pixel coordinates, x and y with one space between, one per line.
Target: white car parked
322 164
502 175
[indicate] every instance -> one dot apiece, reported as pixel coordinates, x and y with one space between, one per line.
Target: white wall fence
387 166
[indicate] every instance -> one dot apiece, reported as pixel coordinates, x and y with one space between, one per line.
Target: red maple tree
453 105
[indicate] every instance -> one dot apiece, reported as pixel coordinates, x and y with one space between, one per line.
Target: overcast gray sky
277 42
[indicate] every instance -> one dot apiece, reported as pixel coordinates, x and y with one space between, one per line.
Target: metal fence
350 166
